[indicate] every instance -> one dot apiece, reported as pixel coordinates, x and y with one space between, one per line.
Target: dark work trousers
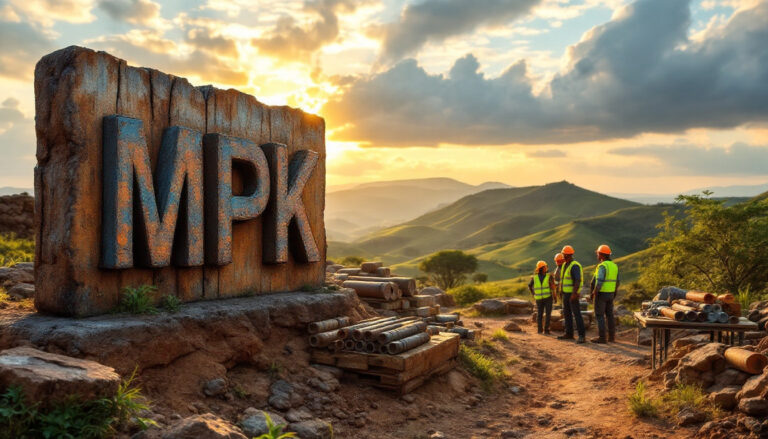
542 306
604 310
572 311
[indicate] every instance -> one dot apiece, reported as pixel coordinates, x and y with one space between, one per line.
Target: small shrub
634 295
628 321
500 335
688 396
307 288
746 296
351 261
480 366
466 294
3 295
275 431
239 392
138 300
171 303
640 404
100 418
479 278
275 370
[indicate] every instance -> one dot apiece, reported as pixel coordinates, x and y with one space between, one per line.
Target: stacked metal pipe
694 306
385 335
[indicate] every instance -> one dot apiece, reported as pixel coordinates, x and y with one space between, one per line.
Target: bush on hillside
466 294
479 278
351 261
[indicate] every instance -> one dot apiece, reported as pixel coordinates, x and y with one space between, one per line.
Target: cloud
47 12
142 12
22 46
147 48
738 159
436 20
201 38
17 144
546 153
290 41
636 73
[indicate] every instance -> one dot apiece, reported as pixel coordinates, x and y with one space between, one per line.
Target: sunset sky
645 96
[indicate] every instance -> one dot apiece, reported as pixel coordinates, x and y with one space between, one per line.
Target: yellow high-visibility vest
566 279
541 288
611 276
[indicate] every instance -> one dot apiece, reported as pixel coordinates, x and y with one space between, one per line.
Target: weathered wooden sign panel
143 178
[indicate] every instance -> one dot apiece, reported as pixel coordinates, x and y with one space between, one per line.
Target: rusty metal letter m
159 233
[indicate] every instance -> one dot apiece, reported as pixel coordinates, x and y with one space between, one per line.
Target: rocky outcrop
503 306
51 378
205 426
225 332
17 215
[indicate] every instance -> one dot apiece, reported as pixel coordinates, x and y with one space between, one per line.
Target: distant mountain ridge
491 221
357 210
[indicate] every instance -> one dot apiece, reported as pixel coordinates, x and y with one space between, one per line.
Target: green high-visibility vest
611 276
541 288
567 281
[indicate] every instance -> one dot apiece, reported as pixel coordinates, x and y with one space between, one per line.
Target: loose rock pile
19 280
735 378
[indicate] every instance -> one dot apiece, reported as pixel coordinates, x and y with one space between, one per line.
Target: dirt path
570 390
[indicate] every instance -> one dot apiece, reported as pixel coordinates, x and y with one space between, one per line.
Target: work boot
546 332
581 340
539 331
600 340
611 338
565 337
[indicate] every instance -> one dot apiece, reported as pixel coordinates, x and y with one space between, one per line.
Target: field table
730 333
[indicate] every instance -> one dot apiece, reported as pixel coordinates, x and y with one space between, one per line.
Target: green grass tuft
138 300
488 370
170 303
500 335
14 250
275 431
640 404
688 396
99 418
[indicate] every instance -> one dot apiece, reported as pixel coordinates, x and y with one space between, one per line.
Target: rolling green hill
487 218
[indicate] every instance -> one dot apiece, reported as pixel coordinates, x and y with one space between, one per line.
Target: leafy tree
712 247
479 278
448 268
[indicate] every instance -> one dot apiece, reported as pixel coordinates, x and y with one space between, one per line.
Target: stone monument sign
144 179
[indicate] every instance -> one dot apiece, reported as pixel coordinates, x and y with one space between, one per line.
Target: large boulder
706 358
254 422
207 426
754 386
22 291
725 397
51 378
312 429
755 406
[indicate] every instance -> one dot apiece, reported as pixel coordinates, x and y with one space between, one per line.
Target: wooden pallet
403 372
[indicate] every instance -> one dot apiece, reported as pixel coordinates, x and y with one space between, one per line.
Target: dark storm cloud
131 11
637 73
289 41
739 159
437 20
21 45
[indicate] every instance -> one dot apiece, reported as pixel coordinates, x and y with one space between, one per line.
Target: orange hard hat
567 250
604 249
559 258
539 265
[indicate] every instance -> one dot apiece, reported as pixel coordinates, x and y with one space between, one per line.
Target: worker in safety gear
604 285
571 276
542 288
559 260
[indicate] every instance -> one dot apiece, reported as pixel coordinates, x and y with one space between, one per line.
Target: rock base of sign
219 334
